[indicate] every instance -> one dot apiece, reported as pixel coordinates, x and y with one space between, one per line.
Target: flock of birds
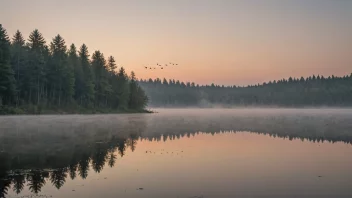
163 151
160 66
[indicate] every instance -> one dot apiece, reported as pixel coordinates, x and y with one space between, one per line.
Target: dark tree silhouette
73 171
35 77
18 62
7 80
36 180
61 74
83 166
292 92
88 87
5 184
122 88
121 147
74 64
99 157
36 67
18 181
58 177
112 159
132 141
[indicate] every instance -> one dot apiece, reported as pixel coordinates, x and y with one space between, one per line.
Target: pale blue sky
221 41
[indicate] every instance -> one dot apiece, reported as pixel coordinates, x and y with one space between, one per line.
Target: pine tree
35 71
112 64
137 97
113 81
18 61
78 73
7 80
142 99
88 87
102 86
69 81
61 75
133 92
123 91
165 82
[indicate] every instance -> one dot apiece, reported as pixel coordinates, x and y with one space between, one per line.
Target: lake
179 153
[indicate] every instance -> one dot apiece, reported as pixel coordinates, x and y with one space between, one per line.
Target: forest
292 92
36 77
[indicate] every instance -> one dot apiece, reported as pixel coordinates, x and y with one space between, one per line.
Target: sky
231 42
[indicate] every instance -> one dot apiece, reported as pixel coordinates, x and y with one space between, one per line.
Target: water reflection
60 148
94 156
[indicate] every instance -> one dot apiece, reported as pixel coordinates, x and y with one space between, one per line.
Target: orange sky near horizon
225 42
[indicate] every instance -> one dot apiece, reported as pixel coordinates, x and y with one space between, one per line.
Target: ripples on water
178 153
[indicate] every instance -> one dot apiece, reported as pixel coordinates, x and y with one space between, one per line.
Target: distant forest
36 77
292 92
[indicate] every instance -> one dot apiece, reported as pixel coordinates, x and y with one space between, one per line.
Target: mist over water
209 152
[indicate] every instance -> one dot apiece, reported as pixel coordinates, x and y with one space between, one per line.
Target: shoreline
8 111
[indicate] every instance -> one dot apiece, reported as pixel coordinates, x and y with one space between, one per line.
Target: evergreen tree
35 71
165 82
18 61
7 80
61 73
113 81
74 64
137 98
112 65
123 91
102 86
88 86
133 101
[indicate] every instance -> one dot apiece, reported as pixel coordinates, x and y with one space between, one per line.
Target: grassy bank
37 110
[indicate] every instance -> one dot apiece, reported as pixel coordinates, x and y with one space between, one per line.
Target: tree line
291 92
38 76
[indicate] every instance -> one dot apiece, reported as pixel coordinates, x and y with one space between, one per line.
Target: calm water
179 153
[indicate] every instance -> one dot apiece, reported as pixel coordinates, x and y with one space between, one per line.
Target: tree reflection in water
53 156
